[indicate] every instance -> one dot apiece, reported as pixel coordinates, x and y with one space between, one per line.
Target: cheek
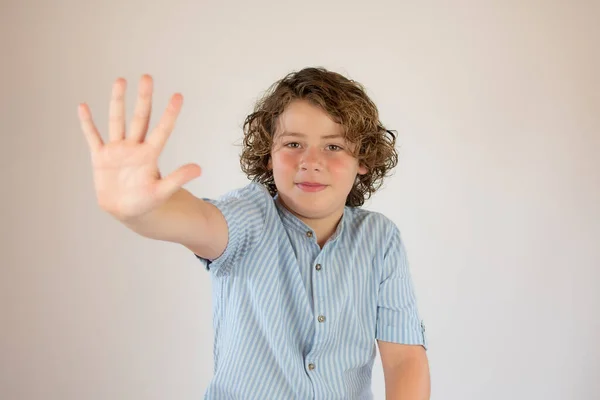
284 160
342 165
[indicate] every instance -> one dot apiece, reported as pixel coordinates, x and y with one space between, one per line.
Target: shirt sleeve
398 319
244 211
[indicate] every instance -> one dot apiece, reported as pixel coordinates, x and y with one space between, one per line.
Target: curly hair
346 102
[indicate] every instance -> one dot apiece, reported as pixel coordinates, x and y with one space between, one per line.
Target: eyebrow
297 134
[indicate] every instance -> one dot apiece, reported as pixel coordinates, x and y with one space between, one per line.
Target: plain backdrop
497 192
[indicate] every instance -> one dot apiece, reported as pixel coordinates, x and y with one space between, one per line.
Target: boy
304 281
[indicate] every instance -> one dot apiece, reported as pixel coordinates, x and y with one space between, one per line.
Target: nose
311 159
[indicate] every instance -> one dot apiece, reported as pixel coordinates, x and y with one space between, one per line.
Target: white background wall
497 192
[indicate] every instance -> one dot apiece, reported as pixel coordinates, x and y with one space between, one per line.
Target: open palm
126 177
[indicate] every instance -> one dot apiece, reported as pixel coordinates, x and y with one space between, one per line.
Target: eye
334 147
293 145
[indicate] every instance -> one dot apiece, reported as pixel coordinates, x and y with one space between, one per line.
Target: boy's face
312 163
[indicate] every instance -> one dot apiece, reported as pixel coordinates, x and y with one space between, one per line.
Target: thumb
176 179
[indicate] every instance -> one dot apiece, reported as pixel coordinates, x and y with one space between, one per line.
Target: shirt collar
295 223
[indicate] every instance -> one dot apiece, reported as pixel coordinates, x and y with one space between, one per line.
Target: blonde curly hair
346 102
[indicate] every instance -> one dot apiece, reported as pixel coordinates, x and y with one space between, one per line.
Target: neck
323 228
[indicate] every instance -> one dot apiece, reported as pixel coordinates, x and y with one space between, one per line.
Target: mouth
310 186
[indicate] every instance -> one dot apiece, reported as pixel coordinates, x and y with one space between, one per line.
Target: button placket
321 299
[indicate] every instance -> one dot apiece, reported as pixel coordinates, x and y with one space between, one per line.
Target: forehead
303 118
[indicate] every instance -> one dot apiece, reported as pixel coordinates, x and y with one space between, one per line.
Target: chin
309 212
311 205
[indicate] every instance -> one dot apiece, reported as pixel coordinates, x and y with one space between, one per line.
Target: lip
310 186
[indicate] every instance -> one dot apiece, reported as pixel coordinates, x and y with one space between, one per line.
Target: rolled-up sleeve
244 211
398 318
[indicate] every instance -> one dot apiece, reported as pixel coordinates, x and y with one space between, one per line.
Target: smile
310 187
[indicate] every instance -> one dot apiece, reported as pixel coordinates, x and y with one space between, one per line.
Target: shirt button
309 234
311 366
321 318
318 267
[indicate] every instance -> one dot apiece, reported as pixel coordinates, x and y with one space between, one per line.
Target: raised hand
125 169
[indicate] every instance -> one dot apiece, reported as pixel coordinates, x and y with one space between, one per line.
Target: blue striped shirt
294 321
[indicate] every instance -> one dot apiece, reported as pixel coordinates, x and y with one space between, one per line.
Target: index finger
163 130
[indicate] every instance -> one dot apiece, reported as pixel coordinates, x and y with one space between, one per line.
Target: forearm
409 380
181 219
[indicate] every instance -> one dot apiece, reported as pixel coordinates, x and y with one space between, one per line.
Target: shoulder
244 210
251 198
373 227
251 192
373 221
247 205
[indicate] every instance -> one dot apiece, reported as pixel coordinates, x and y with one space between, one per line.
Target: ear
270 164
362 170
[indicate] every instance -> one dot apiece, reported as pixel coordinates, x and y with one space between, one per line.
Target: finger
89 128
116 116
161 133
176 179
143 107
